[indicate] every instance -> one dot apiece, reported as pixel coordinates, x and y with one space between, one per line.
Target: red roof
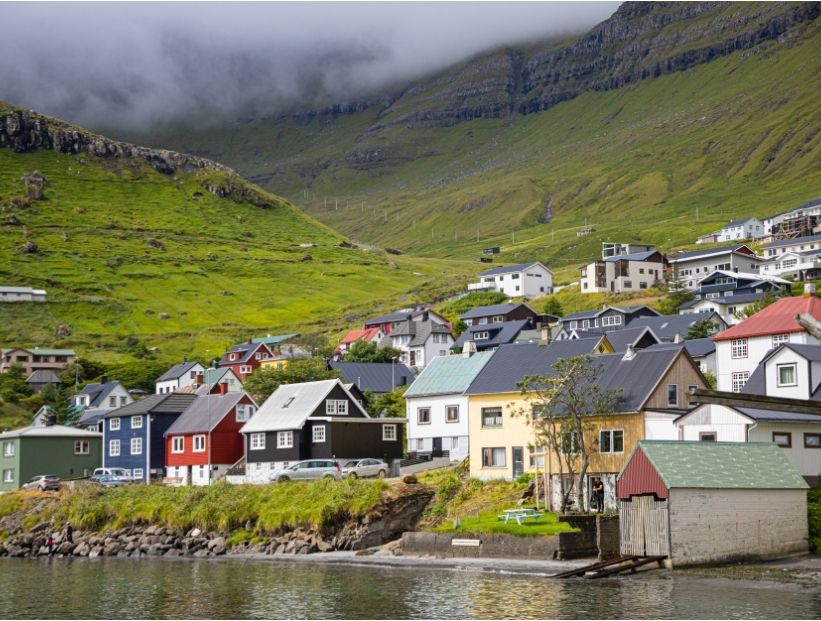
356 335
777 318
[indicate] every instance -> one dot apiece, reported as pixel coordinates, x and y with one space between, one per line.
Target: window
423 416
342 408
739 348
481 336
177 444
812 440
136 446
8 475
570 443
257 356
498 319
113 448
611 441
388 433
452 413
137 473
244 412
123 401
114 424
246 369
454 442
780 338
574 325
81 447
739 379
491 417
199 444
537 457
672 395
493 457
112 402
8 449
257 441
136 422
707 436
786 375
611 320
319 433
336 406
232 356
782 438
285 439
420 444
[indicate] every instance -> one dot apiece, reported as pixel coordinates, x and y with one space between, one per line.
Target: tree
59 405
459 327
363 351
140 374
81 370
453 309
562 405
552 306
676 294
318 344
13 385
391 403
752 309
265 380
701 329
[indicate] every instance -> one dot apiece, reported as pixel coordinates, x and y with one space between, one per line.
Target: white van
118 474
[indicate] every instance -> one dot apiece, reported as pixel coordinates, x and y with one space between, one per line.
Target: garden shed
706 502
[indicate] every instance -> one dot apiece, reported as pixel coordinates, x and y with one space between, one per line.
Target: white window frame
198 439
136 422
739 348
8 475
285 439
112 402
389 433
246 369
791 365
780 338
342 407
137 473
739 379
481 336
318 434
82 447
419 420
178 444
113 448
136 446
114 424
500 417
448 419
8 448
256 442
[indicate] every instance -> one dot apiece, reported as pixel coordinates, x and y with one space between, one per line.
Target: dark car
43 482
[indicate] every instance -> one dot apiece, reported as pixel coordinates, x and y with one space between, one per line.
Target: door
437 446
412 355
518 454
643 526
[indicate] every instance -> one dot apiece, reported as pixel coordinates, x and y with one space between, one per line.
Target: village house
784 223
41 379
604 320
653 386
419 342
316 420
723 283
624 272
211 380
377 329
711 502
376 378
437 408
21 294
501 313
178 376
133 434
798 257
613 249
205 440
730 309
639 337
702 351
35 359
523 280
741 348
490 336
97 399
691 267
368 335
68 452
675 328
744 228
245 358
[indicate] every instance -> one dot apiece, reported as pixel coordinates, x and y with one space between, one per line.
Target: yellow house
274 363
654 384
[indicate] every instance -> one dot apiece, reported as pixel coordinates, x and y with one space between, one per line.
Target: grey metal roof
809 204
98 392
494 309
374 376
205 413
448 374
49 431
507 269
636 377
668 326
588 314
43 376
620 339
808 352
389 318
177 371
741 298
510 363
419 331
498 333
700 347
793 242
635 256
170 403
694 254
734 223
775 415
245 349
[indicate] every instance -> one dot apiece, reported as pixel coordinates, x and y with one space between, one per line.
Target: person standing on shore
69 532
50 543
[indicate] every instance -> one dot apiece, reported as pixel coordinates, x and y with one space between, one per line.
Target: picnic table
521 514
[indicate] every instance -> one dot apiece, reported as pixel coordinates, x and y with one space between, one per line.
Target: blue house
133 434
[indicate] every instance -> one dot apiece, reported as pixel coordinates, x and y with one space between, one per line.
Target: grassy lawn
489 522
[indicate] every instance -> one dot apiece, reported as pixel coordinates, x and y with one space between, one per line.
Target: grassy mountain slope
660 160
125 251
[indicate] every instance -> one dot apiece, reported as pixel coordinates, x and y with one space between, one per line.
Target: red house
206 438
245 358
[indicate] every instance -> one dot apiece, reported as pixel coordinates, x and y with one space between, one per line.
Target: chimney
809 289
629 354
51 420
250 340
223 387
544 335
198 379
468 349
184 360
104 379
677 338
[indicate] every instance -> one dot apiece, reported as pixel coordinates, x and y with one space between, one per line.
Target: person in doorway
598 495
50 543
69 532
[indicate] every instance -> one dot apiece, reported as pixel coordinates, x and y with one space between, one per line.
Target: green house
68 452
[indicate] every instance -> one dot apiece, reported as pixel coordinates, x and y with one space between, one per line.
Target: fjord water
235 588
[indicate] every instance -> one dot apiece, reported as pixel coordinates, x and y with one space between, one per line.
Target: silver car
365 468
43 482
308 470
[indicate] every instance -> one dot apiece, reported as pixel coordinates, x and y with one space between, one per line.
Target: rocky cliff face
24 130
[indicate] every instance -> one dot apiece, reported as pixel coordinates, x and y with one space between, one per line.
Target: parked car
107 480
119 474
308 470
43 482
365 468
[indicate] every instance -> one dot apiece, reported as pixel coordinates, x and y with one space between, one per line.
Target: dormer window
232 357
480 336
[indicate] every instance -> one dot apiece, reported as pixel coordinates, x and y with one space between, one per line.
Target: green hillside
662 160
124 251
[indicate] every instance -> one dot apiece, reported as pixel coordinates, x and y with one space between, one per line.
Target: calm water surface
123 588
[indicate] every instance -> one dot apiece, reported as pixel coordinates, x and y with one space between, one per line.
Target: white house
22 294
437 408
810 208
527 280
741 348
745 228
97 399
727 308
799 257
420 342
624 272
179 376
690 267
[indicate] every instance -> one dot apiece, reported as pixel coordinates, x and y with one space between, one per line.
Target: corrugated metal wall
640 478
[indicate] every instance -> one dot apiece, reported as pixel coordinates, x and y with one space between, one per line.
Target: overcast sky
107 64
